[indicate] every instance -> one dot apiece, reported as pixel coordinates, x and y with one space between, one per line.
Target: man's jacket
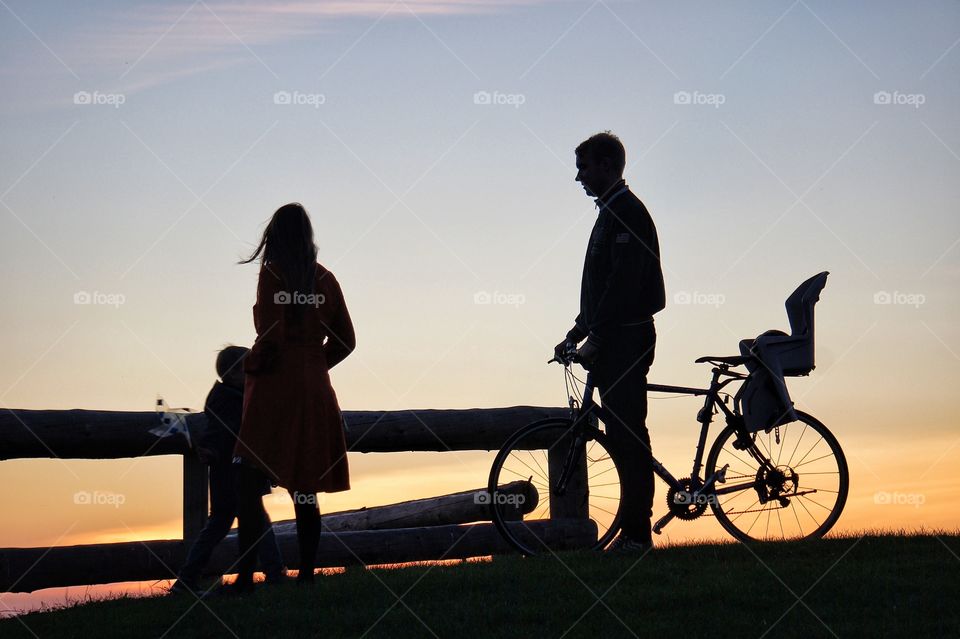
622 280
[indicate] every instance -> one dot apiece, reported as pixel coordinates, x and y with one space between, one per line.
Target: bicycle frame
589 409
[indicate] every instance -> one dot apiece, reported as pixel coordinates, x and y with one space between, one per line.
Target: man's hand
588 354
560 350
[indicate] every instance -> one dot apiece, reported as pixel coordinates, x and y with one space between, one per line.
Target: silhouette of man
621 290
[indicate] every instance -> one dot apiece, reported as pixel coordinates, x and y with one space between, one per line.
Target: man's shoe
624 545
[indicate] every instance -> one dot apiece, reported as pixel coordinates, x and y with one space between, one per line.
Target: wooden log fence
423 529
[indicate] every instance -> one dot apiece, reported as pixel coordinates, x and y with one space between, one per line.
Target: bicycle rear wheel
536 455
798 495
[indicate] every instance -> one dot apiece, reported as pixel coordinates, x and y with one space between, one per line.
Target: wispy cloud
157 34
138 47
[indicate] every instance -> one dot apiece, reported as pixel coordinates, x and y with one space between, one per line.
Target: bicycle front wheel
586 506
797 493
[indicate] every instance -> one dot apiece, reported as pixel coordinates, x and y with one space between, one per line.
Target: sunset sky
146 145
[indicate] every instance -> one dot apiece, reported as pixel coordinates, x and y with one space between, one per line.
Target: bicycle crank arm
662 522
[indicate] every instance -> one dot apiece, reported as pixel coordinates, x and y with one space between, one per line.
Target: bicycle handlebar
569 356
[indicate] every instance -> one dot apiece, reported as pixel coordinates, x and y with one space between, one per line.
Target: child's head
230 365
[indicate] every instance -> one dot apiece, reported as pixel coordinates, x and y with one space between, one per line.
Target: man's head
230 365
601 159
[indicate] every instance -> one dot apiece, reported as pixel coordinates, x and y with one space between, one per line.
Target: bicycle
575 473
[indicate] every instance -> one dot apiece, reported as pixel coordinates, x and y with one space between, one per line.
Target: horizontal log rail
456 508
28 569
93 434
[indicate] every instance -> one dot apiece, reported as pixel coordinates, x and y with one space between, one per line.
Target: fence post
574 504
194 496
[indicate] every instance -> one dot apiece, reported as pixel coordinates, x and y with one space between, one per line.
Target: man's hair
605 145
229 359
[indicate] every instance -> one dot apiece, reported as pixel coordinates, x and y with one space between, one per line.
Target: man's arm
579 331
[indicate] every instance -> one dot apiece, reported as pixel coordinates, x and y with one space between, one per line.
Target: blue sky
784 164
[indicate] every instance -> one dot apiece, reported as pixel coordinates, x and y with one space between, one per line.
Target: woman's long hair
287 244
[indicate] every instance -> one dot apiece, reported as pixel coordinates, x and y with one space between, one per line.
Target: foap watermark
98 498
896 498
306 299
899 298
688 499
99 298
496 297
296 98
283 497
500 499
896 98
701 99
97 98
496 98
699 298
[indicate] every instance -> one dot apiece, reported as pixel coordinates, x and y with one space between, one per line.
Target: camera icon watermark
715 300
896 98
98 498
486 298
496 98
483 497
898 298
296 98
116 100
884 498
99 298
716 100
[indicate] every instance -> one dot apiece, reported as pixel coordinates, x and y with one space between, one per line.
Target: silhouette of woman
292 429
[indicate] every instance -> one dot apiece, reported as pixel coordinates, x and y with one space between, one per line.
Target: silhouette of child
223 408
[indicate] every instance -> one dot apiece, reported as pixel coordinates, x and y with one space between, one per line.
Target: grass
866 585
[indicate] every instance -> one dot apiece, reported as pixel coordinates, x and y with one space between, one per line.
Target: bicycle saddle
732 360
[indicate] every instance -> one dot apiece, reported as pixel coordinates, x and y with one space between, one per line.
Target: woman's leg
251 524
308 532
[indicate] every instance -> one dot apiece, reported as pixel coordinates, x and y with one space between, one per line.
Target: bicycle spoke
815 502
543 473
809 514
813 460
790 461
602 472
799 525
531 469
603 509
799 463
520 475
740 460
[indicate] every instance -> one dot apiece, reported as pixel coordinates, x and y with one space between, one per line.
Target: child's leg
223 510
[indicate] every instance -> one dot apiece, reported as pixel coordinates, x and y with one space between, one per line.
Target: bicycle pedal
662 522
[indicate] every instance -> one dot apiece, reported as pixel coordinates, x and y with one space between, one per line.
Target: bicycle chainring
682 503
